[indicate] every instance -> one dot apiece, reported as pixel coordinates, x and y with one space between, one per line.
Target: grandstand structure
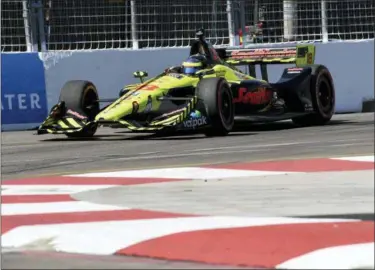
54 25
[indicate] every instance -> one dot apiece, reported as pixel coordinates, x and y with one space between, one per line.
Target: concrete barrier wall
352 67
351 64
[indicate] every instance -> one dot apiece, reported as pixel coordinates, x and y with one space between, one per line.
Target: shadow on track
240 129
361 216
275 126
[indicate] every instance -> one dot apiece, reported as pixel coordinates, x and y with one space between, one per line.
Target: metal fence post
230 23
28 30
324 20
42 33
214 31
34 25
290 19
243 22
256 10
133 18
38 24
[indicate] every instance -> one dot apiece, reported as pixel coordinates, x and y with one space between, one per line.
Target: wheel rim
90 99
325 97
226 109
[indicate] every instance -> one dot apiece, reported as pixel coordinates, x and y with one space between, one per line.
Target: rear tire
322 97
218 102
82 97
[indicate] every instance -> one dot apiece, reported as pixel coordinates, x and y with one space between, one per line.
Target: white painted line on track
345 145
265 146
55 207
358 158
339 257
242 147
184 173
48 189
197 154
191 153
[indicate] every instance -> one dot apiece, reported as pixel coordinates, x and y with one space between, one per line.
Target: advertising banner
23 91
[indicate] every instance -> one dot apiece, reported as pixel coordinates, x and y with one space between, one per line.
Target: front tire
218 102
323 99
82 97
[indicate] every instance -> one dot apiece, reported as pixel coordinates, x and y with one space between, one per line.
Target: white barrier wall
351 64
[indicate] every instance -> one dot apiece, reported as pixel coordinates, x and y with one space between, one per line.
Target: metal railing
50 25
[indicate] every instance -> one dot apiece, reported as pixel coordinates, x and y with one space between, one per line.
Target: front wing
65 124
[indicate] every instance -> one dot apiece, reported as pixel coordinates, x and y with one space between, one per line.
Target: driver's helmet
194 63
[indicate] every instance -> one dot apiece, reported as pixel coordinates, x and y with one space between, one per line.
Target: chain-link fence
101 24
14 25
132 24
269 21
87 24
172 23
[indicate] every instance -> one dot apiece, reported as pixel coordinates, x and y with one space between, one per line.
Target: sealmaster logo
196 120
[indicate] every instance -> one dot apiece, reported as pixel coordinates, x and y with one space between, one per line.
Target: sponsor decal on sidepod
196 120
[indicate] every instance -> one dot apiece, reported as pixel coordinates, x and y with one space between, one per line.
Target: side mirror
205 72
140 75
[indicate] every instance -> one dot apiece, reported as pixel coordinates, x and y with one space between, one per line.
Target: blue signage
23 89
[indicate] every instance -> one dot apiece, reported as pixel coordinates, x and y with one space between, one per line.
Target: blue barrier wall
23 91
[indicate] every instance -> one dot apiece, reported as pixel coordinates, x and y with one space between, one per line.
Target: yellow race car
207 92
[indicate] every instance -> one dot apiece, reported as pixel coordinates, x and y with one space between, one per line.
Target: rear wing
300 55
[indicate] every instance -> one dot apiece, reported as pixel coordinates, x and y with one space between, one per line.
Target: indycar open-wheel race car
210 100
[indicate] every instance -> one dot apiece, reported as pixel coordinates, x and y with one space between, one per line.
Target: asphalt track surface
28 155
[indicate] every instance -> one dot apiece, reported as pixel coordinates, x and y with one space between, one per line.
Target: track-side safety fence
55 25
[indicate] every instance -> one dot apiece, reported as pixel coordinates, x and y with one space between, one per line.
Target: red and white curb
40 211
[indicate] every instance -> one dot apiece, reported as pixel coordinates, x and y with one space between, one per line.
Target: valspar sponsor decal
196 122
23 90
21 101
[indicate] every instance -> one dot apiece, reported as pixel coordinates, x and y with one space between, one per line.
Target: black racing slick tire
216 95
322 96
81 97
